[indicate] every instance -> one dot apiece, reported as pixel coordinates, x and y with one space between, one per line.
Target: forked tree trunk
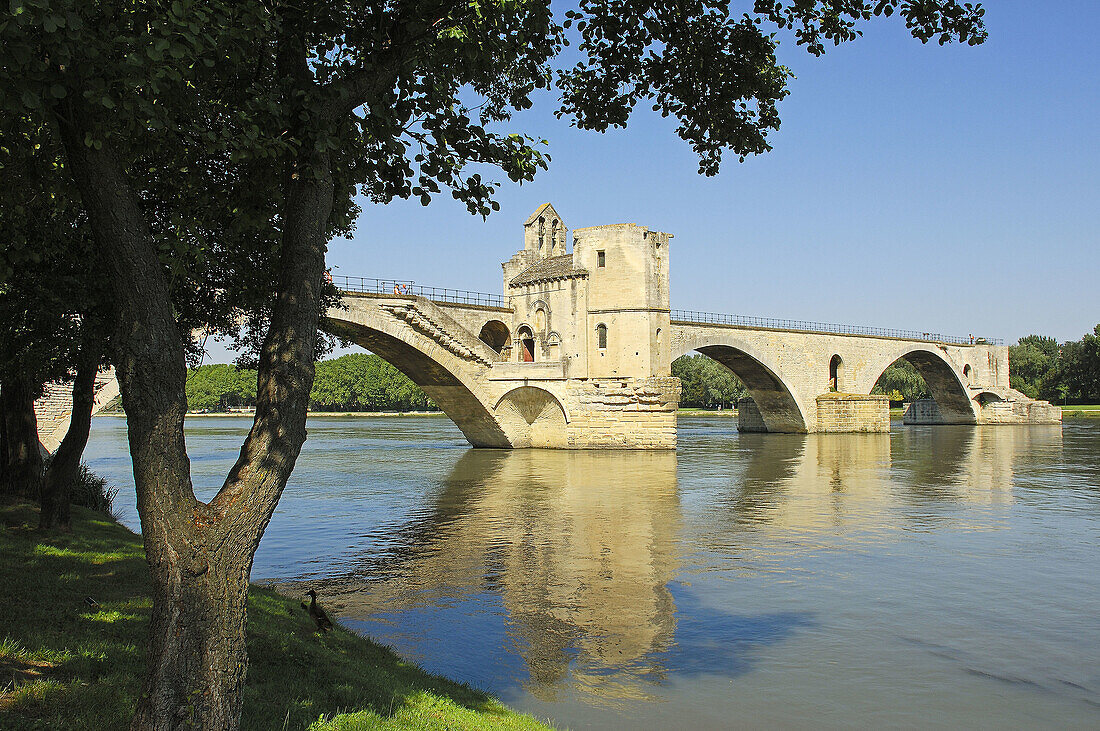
23 459
65 466
200 554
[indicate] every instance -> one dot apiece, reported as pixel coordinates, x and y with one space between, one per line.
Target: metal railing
711 318
465 297
409 287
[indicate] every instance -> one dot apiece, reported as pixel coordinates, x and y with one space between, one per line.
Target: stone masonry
580 354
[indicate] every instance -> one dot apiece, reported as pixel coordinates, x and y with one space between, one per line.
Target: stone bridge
799 381
577 351
447 349
805 381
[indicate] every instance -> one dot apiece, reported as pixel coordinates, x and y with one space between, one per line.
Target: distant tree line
1066 373
354 382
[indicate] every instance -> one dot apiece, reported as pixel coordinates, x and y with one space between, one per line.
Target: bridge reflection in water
601 576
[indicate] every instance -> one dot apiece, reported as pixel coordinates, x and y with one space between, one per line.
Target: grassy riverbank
691 411
65 665
1089 411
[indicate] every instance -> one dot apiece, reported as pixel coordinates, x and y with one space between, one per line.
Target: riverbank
1088 411
65 664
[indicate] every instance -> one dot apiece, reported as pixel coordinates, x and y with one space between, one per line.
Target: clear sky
947 189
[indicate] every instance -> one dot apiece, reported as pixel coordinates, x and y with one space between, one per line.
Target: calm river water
933 577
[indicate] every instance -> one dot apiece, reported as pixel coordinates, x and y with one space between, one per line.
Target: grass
1088 411
65 665
695 411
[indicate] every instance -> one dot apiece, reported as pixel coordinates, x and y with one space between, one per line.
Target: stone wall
924 411
850 412
748 417
1019 412
623 413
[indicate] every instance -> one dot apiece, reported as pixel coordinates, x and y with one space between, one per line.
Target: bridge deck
496 302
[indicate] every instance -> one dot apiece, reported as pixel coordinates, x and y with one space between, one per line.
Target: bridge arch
779 406
541 411
445 369
944 379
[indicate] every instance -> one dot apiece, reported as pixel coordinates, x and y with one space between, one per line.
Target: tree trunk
23 459
3 443
197 654
200 555
65 465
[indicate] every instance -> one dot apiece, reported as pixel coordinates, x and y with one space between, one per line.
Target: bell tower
544 234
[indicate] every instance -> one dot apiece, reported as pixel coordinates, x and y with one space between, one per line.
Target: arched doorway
834 373
526 345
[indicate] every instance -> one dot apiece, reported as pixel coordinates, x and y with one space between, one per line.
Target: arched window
658 341
554 237
553 346
527 344
601 336
542 319
834 373
966 372
542 233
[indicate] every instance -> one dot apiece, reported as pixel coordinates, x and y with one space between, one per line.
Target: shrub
89 490
92 491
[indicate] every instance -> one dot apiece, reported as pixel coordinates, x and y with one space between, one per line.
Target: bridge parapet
807 326
402 287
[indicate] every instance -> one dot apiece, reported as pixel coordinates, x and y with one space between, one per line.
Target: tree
901 382
1032 365
1079 368
324 98
705 383
52 314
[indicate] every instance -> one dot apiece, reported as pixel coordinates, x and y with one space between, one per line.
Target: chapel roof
546 270
544 209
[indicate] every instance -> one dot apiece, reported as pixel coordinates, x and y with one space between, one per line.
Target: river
932 577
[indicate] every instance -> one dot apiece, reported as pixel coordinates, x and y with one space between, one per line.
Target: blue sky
950 189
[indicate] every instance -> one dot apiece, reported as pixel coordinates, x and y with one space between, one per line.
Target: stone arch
987 397
540 313
943 379
541 411
447 374
779 408
495 334
553 345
